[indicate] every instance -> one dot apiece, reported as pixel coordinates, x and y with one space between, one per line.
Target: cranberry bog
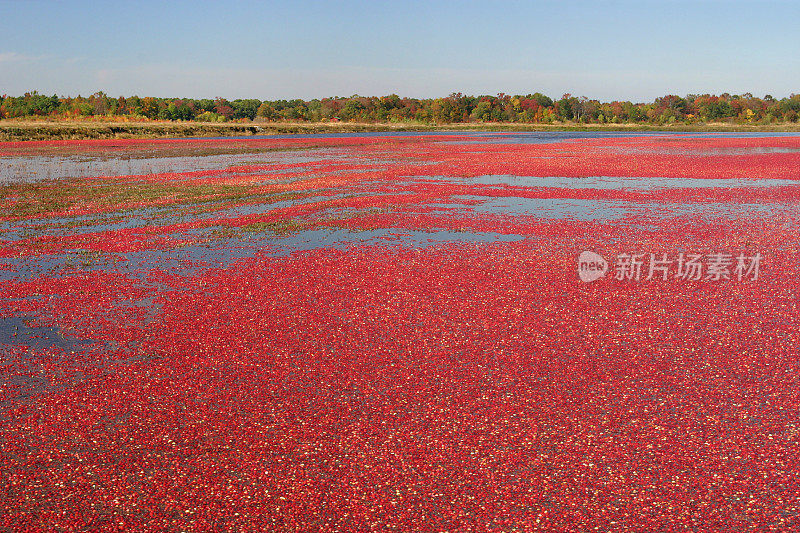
394 332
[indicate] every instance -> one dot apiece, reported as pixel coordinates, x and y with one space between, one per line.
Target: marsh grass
23 201
31 130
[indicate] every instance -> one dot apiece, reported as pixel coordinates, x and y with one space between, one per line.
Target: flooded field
378 331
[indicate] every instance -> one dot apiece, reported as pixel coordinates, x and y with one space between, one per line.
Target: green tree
245 108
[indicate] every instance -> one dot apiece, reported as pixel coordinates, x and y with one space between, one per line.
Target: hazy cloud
73 76
8 57
173 81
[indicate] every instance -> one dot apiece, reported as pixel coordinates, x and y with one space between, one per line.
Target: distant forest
456 108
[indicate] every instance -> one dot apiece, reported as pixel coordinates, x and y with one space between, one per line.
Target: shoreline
14 131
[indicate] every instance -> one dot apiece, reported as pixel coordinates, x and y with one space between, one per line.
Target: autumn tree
150 107
266 111
223 108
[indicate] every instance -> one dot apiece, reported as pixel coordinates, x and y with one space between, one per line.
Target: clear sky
312 49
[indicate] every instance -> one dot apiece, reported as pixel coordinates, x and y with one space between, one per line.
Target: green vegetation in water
277 227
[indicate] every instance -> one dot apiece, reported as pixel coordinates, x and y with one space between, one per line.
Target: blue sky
312 49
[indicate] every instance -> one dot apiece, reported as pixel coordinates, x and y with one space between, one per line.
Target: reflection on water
611 182
29 169
18 331
600 210
221 252
703 152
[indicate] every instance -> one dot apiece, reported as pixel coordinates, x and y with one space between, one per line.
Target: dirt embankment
40 131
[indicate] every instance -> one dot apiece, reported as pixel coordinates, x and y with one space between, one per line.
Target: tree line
456 108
